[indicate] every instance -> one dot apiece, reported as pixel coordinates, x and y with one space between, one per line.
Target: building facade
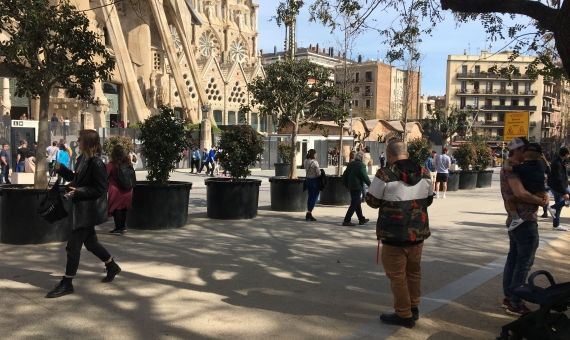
324 57
472 85
196 56
380 91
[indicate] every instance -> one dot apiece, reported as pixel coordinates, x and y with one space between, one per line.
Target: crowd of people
200 159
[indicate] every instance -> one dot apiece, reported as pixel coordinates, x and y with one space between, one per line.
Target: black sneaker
415 313
364 221
309 217
394 319
112 269
64 287
118 232
517 311
348 224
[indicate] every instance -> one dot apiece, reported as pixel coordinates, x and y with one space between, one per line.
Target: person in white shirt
51 152
442 164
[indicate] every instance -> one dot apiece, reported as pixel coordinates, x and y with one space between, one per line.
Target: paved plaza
273 277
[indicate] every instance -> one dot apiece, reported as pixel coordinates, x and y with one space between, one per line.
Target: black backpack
126 177
323 180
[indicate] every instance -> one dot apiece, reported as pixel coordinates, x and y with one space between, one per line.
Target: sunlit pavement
275 276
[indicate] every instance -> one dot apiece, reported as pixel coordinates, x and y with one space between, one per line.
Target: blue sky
447 39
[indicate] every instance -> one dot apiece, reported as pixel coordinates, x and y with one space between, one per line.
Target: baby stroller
547 323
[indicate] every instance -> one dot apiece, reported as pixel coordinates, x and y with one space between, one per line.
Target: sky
447 38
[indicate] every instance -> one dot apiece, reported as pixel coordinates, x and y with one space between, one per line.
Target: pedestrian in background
430 165
5 160
51 152
120 199
21 155
196 157
402 192
558 183
354 178
442 164
313 173
382 160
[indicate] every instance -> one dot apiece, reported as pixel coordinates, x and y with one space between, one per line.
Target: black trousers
120 217
78 238
6 174
355 201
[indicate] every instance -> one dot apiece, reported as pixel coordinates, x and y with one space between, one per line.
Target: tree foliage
419 150
240 147
49 45
444 124
546 33
163 138
466 155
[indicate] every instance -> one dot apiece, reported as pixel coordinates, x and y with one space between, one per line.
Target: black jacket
558 177
90 198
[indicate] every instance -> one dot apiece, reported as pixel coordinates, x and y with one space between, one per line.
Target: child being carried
531 173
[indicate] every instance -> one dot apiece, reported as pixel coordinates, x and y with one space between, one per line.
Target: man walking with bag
354 178
402 192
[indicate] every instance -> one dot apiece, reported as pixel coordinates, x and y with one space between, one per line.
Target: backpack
126 177
323 180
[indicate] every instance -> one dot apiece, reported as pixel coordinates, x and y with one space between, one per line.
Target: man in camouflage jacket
402 192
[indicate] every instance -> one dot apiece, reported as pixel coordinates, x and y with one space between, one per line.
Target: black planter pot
485 179
453 181
228 200
335 193
282 169
159 206
19 222
288 194
468 179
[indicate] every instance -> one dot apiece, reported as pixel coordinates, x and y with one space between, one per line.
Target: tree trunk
562 37
293 153
40 178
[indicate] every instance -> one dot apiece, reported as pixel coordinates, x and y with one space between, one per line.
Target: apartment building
315 54
472 86
379 91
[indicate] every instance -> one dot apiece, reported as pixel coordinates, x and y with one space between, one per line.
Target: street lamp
351 132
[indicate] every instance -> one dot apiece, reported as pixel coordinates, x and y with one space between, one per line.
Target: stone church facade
196 56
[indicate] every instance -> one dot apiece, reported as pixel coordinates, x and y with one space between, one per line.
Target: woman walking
120 200
312 173
87 188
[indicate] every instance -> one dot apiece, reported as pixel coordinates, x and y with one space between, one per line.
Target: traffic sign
516 125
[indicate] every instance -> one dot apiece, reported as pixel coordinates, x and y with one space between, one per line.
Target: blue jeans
523 242
355 206
313 188
558 205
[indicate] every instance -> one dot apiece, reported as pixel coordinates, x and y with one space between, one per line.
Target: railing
549 94
547 109
485 75
504 108
496 92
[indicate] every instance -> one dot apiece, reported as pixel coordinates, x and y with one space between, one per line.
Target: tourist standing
212 159
523 241
205 161
313 173
51 153
430 165
5 160
354 178
120 199
558 183
402 192
196 158
66 124
442 164
88 185
21 155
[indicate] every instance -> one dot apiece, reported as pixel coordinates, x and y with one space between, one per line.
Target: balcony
508 108
549 95
485 75
489 123
547 109
511 93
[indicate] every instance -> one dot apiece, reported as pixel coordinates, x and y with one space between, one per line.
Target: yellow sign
516 125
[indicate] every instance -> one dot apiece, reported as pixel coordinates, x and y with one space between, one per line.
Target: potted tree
159 203
482 162
419 150
466 155
284 152
296 93
240 148
46 45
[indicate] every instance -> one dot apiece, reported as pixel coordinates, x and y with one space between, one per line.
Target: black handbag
51 206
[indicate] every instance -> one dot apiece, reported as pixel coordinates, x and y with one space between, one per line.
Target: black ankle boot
394 319
309 217
64 287
112 270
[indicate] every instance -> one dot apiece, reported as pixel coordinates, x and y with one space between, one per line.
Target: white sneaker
552 211
515 223
437 195
444 196
560 228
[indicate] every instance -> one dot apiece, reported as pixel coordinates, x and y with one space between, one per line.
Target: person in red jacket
120 200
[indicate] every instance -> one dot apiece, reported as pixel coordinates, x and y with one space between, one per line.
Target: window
263 123
367 91
527 102
515 102
463 86
500 133
254 121
368 103
357 77
501 117
527 87
357 89
488 103
476 86
476 102
488 116
369 77
462 103
489 87
503 86
218 117
464 69
355 103
242 119
231 118
502 101
515 87
477 69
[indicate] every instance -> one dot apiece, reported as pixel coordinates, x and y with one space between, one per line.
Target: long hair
311 154
119 155
89 143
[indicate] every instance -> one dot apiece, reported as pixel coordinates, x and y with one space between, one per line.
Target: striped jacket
402 192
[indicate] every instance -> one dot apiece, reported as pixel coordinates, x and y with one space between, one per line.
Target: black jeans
6 174
523 242
355 201
120 217
77 239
